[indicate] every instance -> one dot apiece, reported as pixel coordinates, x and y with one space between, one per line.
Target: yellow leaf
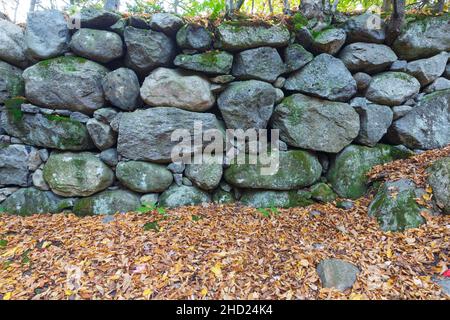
429 189
147 293
304 263
426 196
356 296
204 292
217 270
46 244
7 296
68 292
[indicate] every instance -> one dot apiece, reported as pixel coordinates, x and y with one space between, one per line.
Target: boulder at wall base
324 77
107 202
11 82
315 124
70 82
77 174
49 131
240 37
146 134
277 199
347 172
426 126
395 207
223 197
213 62
178 196
423 38
174 88
439 180
296 169
207 175
322 192
12 44
15 162
335 273
143 176
28 201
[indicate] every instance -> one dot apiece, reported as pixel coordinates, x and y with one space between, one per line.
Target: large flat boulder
275 198
212 62
107 202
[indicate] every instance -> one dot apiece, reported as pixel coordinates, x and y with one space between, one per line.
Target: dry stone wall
87 115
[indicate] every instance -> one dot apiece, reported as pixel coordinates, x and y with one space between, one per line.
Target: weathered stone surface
47 34
101 134
105 115
147 49
423 38
247 104
28 201
296 169
165 22
223 197
335 273
145 134
70 83
194 37
77 174
438 85
173 88
15 161
39 181
48 131
428 70
95 18
149 198
12 44
322 192
395 206
347 172
392 88
143 176
375 120
98 45
365 28
122 89
107 202
206 175
325 77
278 199
362 81
110 157
427 125
213 62
233 37
315 124
439 180
295 57
262 63
177 196
6 192
447 71
329 41
11 82
367 57
400 111
399 65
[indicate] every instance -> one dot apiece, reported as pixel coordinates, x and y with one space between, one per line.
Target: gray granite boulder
194 37
438 85
15 163
392 88
428 70
367 27
277 199
206 175
439 180
177 196
122 89
101 134
12 44
165 22
328 41
296 57
143 176
107 202
335 273
95 18
98 45
212 62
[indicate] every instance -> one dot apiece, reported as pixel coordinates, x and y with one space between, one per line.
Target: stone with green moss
392 88
322 192
347 173
212 62
329 40
107 202
277 199
77 174
28 201
223 197
177 196
11 82
296 169
296 57
144 177
206 175
439 180
395 206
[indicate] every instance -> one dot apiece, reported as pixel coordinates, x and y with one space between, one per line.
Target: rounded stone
144 177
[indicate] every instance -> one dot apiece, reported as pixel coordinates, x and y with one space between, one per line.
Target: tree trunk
112 5
269 2
396 21
440 6
32 5
286 7
387 5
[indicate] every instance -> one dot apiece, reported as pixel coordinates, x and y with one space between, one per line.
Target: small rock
101 134
400 111
176 167
194 37
437 85
109 157
335 273
105 115
362 81
149 198
38 180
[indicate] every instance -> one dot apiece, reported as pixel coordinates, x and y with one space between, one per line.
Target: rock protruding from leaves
428 70
77 174
392 88
194 37
329 41
395 206
11 82
324 77
424 38
15 160
367 27
146 134
107 202
28 201
177 196
147 49
296 57
213 62
122 89
247 104
95 18
262 63
296 169
12 44
347 172
144 177
335 273
206 175
71 83
427 125
240 37
98 45
276 199
315 124
165 22
47 34
439 180
173 88
367 57
322 192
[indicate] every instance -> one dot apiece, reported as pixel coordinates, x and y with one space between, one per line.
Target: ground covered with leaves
224 252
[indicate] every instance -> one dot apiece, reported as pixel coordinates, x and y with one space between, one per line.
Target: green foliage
299 21
268 212
152 226
145 6
25 257
150 207
3 243
196 218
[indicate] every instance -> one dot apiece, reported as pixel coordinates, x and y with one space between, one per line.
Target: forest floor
224 252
